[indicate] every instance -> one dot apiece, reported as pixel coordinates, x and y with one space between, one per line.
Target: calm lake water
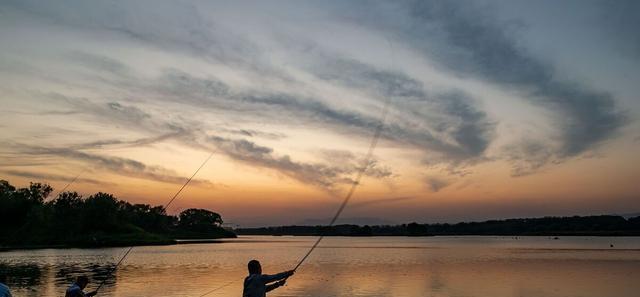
344 266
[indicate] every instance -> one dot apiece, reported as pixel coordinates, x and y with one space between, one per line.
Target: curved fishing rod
354 185
173 198
363 169
356 182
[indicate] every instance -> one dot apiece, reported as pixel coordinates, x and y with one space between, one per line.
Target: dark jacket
255 285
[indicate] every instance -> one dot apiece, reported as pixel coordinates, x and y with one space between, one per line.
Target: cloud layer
277 92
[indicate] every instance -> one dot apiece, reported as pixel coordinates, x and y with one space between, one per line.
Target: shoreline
219 240
176 241
120 241
441 235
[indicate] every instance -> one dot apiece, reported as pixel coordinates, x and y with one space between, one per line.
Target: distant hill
605 225
630 215
349 221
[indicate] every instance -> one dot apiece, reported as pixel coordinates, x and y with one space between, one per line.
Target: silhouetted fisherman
257 284
4 289
76 288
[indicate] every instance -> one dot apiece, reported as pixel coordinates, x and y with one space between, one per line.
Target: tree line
604 225
27 217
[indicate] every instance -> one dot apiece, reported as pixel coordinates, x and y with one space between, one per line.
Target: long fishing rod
173 198
352 190
363 169
356 182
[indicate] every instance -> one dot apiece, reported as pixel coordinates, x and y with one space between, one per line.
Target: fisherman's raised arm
266 278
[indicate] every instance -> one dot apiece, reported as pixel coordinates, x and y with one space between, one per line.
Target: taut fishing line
363 169
165 208
355 183
69 183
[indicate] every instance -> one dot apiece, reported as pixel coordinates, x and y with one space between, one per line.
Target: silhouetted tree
100 212
17 205
67 212
25 218
195 219
415 229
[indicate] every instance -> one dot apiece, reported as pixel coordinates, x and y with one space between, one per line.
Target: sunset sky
498 109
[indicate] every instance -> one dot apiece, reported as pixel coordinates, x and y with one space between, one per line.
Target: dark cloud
321 175
127 111
207 92
53 177
482 47
318 174
178 27
620 21
528 156
436 184
117 165
127 115
468 40
447 125
276 106
461 132
113 110
256 133
456 132
347 161
447 122
100 63
125 143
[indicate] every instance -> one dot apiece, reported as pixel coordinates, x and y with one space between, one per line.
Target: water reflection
439 266
21 275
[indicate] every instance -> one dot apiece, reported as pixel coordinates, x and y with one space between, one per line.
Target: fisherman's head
254 267
82 281
3 278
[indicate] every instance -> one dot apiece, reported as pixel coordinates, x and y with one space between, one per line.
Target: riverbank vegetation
30 218
605 225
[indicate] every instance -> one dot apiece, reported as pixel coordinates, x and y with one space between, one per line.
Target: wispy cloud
256 133
479 46
448 122
388 200
528 156
468 40
118 165
41 177
125 143
325 176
